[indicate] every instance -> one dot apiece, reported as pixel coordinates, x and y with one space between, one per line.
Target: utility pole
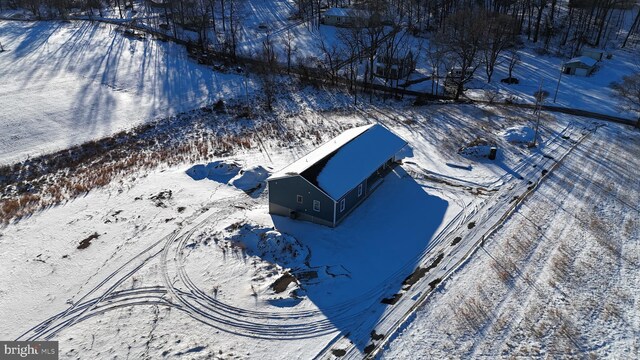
558 86
538 107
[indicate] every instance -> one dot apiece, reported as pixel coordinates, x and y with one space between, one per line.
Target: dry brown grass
61 176
560 263
505 268
472 314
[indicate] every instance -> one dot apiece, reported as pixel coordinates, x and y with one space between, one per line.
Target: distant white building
595 54
347 17
581 66
456 73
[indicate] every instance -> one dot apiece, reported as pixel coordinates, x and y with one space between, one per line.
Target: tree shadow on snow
364 260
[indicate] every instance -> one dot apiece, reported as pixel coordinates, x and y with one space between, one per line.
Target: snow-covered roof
350 158
358 159
582 60
346 12
592 50
305 162
337 12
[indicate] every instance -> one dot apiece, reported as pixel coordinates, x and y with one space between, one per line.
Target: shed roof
592 50
337 12
347 12
340 164
584 60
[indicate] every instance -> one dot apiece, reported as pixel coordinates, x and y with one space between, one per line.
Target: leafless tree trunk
629 92
351 39
540 5
462 40
514 59
267 71
436 59
632 29
499 36
332 57
290 48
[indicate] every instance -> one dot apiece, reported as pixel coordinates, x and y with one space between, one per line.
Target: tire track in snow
394 322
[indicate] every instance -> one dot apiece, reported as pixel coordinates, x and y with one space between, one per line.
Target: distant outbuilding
325 185
581 66
595 54
350 17
345 17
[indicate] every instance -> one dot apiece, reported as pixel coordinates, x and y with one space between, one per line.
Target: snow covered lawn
185 259
68 83
559 279
590 93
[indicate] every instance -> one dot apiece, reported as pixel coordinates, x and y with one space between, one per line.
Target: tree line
463 35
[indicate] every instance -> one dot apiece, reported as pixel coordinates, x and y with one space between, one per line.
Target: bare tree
351 40
333 56
514 59
373 35
289 48
462 40
395 58
632 29
233 29
266 71
540 5
499 36
629 92
436 60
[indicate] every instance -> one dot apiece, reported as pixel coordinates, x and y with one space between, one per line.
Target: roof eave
361 180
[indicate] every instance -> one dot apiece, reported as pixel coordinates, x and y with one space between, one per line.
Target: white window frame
360 190
316 205
299 199
342 205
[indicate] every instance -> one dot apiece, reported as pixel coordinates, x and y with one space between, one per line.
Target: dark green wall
352 200
283 192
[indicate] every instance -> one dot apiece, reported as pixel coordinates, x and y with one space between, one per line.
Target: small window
316 205
359 190
299 199
342 202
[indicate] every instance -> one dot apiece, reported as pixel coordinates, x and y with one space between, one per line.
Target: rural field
139 142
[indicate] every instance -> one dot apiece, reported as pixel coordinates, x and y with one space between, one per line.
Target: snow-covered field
186 260
592 93
559 279
68 83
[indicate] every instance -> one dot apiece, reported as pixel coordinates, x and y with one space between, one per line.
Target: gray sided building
325 185
581 66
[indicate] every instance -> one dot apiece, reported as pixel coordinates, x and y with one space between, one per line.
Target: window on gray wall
299 199
316 205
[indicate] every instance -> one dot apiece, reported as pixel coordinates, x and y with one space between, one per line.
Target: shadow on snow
366 257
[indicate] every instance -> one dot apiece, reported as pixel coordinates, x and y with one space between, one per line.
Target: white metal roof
358 159
583 60
305 162
357 153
